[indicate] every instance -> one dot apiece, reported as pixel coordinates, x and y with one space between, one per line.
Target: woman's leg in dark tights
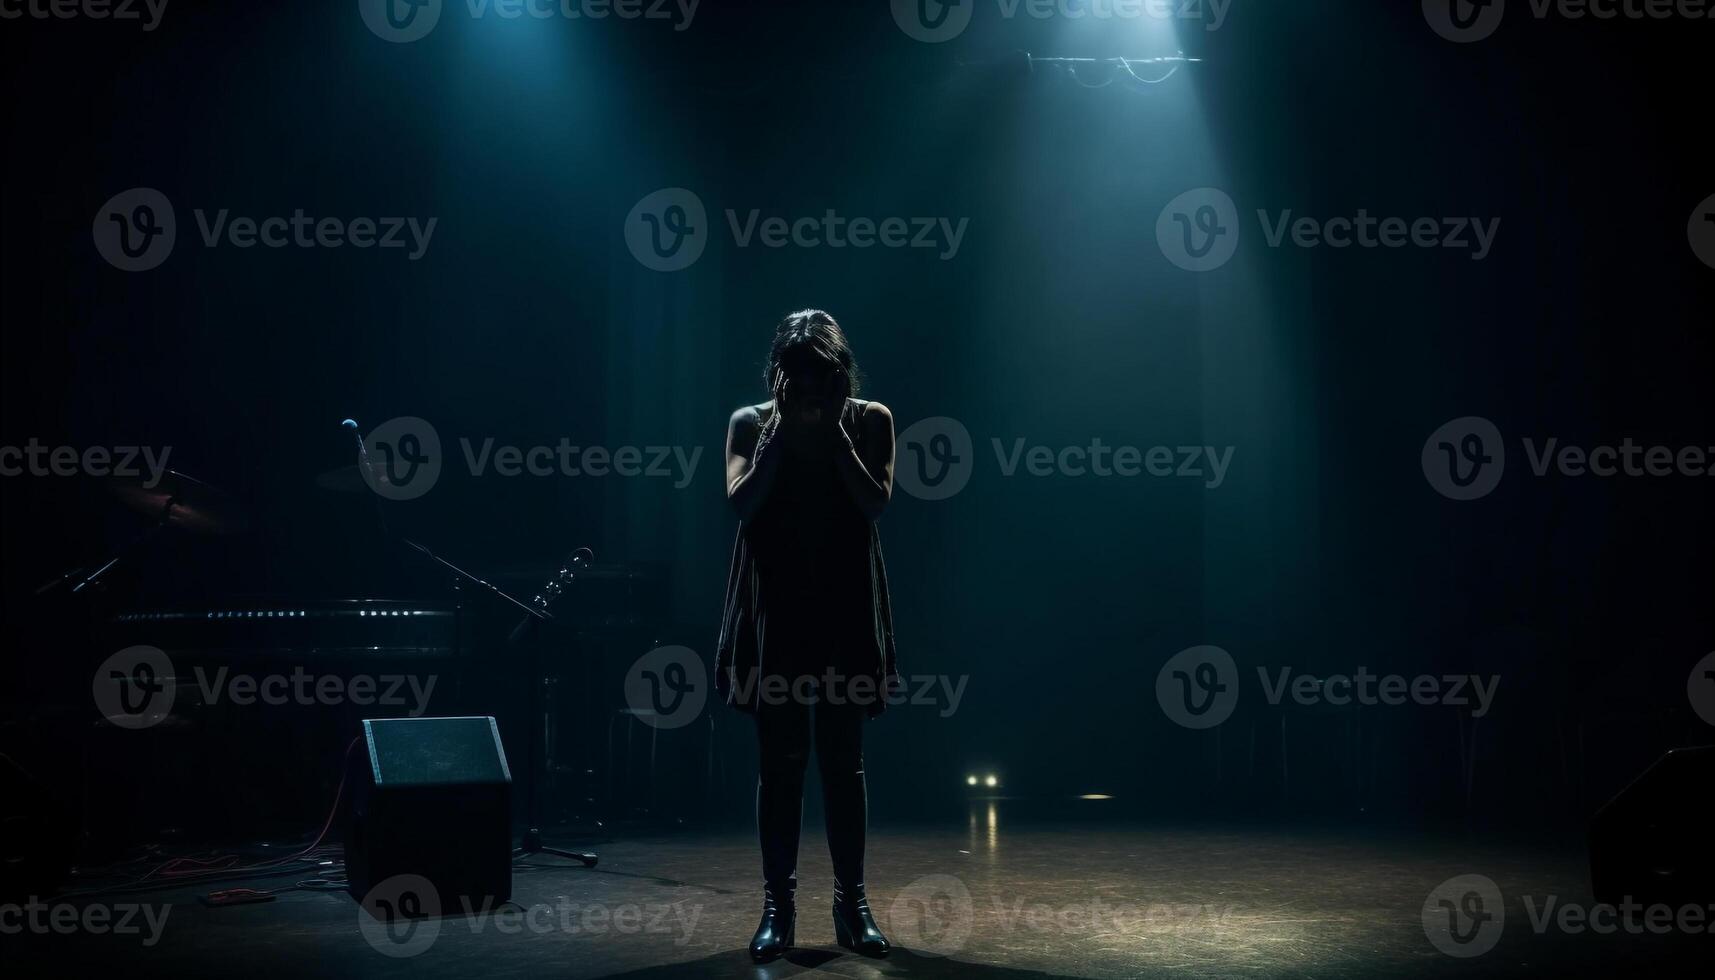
839 759
783 741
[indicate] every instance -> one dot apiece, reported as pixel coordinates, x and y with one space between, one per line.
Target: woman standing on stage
806 641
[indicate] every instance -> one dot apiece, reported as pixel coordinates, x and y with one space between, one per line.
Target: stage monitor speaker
433 804
1650 844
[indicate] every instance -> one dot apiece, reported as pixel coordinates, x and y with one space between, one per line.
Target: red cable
345 773
171 868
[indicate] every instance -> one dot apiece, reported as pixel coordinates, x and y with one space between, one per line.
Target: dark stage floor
987 899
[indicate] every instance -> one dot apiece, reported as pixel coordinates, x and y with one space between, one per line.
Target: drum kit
177 503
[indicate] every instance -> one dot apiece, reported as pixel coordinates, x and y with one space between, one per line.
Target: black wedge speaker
433 805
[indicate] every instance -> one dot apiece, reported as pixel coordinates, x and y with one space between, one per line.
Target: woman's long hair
807 340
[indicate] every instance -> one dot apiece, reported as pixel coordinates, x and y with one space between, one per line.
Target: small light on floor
992 781
970 780
1095 796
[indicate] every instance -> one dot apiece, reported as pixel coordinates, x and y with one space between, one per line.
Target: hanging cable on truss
1118 68
1128 66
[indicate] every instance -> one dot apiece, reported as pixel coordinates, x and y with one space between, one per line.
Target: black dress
807 588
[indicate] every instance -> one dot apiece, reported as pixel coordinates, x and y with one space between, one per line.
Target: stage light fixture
1113 69
992 781
970 780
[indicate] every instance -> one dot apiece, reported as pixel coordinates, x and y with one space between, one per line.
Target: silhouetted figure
807 634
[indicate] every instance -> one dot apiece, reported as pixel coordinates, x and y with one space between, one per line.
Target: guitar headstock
555 587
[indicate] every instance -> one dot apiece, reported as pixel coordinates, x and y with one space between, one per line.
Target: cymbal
183 502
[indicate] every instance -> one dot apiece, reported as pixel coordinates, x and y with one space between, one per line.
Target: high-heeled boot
779 816
854 927
775 935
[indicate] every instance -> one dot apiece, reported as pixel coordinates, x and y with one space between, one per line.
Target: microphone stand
534 616
537 730
483 584
528 632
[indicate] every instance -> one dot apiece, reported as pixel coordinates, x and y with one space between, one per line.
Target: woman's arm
868 476
752 457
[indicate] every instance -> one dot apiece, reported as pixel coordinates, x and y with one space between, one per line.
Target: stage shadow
900 963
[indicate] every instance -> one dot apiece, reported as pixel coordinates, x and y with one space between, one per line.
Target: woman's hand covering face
811 400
